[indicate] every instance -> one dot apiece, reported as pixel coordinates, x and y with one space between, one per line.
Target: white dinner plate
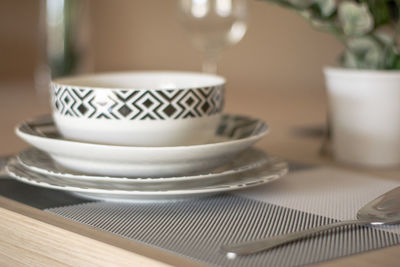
128 192
233 135
41 163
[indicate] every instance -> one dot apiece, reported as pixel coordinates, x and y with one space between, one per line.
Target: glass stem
210 62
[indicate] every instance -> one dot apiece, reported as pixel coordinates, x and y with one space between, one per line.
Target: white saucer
129 192
233 135
40 162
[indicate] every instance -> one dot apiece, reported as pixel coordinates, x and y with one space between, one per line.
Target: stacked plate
223 164
142 136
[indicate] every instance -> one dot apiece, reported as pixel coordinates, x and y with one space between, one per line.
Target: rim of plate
258 162
19 131
245 182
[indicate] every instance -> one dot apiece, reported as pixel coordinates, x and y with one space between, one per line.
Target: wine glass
211 25
63 42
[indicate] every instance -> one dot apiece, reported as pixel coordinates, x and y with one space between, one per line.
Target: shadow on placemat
40 198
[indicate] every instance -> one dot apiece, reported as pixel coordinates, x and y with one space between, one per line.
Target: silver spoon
383 210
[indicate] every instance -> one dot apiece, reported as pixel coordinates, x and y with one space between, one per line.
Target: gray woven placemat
195 229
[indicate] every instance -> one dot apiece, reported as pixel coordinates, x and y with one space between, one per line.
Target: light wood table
29 236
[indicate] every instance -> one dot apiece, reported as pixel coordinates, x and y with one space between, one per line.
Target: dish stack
142 136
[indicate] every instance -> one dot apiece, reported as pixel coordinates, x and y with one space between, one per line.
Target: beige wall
279 52
17 38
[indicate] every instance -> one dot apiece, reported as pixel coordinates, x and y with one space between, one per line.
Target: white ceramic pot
365 116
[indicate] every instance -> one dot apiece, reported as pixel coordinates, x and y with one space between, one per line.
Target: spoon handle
251 247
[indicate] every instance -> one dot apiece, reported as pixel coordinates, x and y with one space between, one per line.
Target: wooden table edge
125 250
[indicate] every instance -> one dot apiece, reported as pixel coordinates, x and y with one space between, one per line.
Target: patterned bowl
138 108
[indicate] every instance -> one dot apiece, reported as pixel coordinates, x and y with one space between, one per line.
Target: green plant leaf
384 37
380 11
363 53
355 19
301 3
292 4
327 7
392 60
348 60
368 29
321 15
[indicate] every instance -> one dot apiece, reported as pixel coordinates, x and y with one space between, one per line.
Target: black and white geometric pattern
121 104
238 127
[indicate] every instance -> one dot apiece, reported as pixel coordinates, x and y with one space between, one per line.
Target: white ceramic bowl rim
142 80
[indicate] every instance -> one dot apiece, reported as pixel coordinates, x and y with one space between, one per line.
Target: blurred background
279 53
